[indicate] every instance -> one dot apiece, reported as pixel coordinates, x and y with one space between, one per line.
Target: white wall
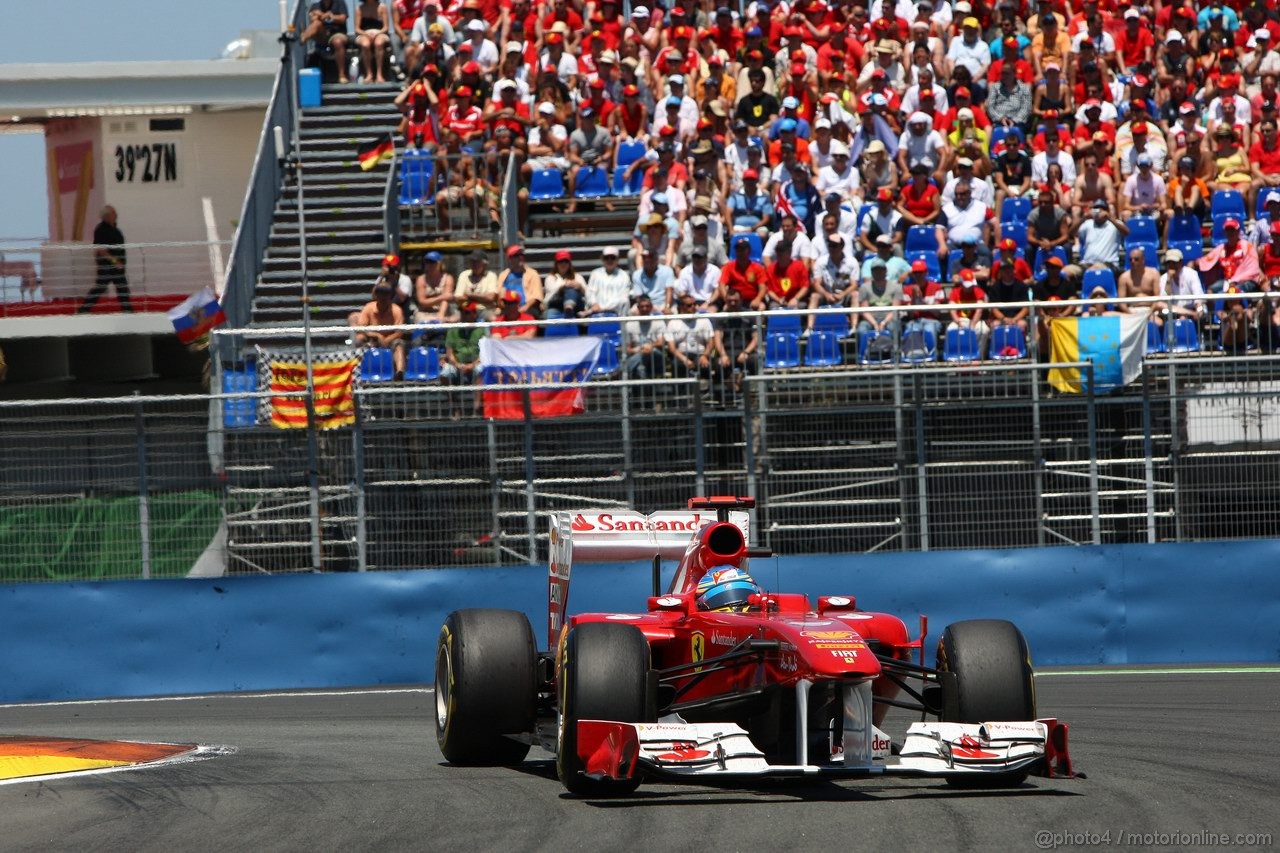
212 156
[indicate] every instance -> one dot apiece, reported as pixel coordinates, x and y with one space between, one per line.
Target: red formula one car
767 686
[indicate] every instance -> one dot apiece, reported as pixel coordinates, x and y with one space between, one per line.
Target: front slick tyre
994 682
603 676
485 686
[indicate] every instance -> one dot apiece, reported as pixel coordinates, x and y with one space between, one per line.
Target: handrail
391 207
940 307
510 204
265 181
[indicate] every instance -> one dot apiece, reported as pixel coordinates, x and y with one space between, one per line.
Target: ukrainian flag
1114 345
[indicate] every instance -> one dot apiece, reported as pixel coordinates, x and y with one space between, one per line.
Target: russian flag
536 361
197 314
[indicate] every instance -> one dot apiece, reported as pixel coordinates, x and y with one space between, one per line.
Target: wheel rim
444 695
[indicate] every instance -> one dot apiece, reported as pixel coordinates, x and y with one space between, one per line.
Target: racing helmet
726 590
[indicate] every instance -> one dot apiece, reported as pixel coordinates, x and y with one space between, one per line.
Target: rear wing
601 536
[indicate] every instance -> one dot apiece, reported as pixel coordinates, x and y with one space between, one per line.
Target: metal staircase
342 210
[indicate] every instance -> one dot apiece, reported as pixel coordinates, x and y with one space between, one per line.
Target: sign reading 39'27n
145 163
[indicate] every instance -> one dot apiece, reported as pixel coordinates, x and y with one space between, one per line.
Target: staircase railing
266 181
391 207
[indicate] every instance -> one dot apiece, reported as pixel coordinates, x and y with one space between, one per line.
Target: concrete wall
1110 604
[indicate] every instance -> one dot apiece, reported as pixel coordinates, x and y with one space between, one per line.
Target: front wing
706 751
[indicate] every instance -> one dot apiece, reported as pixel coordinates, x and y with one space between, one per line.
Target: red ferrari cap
919 266
512 251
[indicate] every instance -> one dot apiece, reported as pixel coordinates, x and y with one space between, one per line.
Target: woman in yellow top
964 123
1231 164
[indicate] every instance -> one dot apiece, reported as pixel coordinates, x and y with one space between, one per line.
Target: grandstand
868 414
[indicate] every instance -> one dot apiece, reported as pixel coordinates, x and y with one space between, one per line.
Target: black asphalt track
1164 753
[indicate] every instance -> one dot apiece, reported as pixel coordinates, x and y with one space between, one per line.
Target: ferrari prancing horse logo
698 645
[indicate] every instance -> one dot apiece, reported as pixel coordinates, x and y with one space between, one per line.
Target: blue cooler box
309 87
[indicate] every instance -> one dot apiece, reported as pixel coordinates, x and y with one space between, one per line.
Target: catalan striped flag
370 154
334 400
196 315
1113 344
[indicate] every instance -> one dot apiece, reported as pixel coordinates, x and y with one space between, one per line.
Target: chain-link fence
844 458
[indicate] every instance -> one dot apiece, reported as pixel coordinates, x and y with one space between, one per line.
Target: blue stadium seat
417 171
561 330
784 322
1228 203
608 363
864 345
546 184
912 353
960 345
930 259
592 182
611 332
1015 210
862 211
921 238
1105 279
757 246
999 133
1142 229
1185 236
240 412
782 340
823 350
628 153
1185 336
1150 251
422 364
623 187
1041 257
831 322
1155 339
781 350
377 365
1007 343
1017 232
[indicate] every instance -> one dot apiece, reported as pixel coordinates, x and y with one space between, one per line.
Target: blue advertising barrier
1118 604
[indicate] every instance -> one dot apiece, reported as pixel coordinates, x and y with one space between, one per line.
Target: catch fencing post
144 502
1094 502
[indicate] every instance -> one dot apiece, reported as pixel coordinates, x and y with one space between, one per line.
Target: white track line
304 694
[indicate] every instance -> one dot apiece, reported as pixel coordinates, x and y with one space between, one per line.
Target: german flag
370 154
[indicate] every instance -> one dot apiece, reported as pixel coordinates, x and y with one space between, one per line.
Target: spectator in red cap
512 313
1234 262
465 119
401 283
523 280
920 290
564 289
630 120
1007 247
967 301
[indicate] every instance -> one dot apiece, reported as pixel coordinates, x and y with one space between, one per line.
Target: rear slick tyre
604 674
485 687
994 682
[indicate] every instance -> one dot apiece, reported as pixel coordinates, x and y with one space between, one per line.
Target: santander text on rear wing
618 535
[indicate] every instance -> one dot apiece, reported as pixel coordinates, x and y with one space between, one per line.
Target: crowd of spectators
795 155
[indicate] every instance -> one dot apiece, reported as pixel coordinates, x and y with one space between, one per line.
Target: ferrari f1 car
776 688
